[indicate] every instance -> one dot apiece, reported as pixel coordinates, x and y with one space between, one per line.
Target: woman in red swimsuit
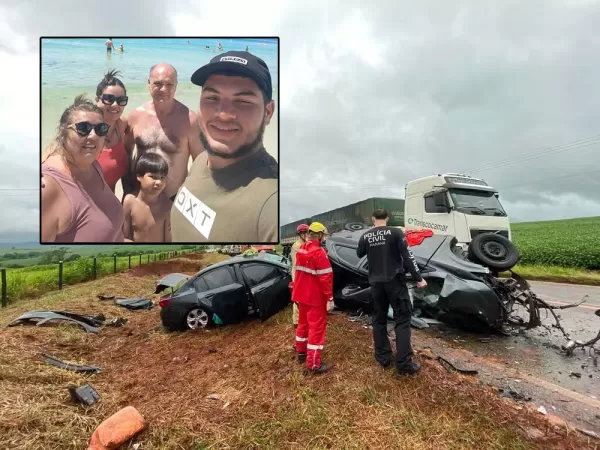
111 98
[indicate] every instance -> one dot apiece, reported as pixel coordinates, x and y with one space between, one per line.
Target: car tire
493 251
197 319
355 226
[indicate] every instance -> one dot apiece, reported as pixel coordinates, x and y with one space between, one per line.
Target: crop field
572 243
36 280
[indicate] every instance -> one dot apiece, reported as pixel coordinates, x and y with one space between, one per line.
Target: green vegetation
20 258
35 280
573 243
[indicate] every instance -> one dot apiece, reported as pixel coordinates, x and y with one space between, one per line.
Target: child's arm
127 228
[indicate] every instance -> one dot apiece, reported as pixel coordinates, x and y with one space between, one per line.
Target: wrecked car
226 292
459 291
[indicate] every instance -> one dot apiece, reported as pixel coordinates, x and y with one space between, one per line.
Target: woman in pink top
77 204
111 98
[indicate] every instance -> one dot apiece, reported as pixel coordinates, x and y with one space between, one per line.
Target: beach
71 67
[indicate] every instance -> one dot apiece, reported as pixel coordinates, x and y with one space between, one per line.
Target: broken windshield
470 201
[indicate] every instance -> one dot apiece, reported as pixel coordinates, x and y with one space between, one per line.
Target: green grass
572 243
33 281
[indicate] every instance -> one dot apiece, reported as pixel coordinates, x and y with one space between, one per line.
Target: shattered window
348 255
259 273
218 278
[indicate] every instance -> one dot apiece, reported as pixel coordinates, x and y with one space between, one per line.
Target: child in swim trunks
148 211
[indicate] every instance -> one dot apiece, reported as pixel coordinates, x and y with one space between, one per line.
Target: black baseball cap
237 63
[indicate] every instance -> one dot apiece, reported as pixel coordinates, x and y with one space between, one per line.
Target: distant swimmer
109 45
165 126
220 47
120 49
246 48
188 41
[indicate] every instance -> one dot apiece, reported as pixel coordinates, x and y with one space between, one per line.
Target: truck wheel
355 226
493 251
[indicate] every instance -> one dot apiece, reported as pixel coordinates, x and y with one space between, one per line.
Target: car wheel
493 251
197 318
355 226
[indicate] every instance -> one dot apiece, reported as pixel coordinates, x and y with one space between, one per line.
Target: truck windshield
471 201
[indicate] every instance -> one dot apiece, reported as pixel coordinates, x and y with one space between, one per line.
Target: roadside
558 274
261 398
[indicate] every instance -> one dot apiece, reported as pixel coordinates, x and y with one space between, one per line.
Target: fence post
94 269
4 297
115 263
148 259
60 275
130 260
140 257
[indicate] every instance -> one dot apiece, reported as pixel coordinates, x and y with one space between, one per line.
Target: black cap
237 63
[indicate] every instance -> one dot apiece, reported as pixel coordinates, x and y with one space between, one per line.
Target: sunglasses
85 128
109 99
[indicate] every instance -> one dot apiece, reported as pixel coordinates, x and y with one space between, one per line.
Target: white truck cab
455 204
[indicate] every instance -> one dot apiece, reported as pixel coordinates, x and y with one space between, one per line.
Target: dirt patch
161 268
195 256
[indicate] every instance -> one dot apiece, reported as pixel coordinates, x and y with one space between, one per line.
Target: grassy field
260 396
36 280
571 243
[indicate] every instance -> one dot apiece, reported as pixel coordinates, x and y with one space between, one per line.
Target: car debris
171 280
542 410
448 365
517 396
43 317
135 304
80 368
85 394
105 297
459 291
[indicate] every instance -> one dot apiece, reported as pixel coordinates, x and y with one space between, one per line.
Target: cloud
375 95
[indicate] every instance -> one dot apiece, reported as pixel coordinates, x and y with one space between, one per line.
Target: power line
574 145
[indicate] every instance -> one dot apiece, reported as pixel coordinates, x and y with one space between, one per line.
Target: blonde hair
57 145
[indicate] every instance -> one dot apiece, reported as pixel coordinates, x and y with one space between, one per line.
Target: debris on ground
105 297
117 429
517 396
85 394
447 364
72 367
43 317
135 304
542 410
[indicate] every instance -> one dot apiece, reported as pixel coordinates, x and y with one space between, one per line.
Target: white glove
330 305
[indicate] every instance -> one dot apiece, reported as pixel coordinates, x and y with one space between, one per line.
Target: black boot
412 369
320 370
301 357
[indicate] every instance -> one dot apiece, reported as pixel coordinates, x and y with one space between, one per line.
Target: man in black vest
388 255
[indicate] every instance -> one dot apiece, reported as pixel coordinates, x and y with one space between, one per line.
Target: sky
371 96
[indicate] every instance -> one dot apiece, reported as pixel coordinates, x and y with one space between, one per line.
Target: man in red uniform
313 292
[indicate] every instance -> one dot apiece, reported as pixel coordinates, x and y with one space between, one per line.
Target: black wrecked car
460 292
226 292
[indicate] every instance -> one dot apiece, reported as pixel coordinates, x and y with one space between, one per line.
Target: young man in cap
313 292
231 192
388 255
302 232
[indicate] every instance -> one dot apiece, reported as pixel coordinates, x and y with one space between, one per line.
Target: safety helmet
302 228
317 227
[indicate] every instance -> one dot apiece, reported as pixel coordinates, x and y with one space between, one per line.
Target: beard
242 150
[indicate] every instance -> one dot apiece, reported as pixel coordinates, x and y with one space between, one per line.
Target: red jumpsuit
312 289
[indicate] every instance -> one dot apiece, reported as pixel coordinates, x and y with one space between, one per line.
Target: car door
225 295
269 285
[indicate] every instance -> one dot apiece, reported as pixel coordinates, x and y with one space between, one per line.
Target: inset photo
158 140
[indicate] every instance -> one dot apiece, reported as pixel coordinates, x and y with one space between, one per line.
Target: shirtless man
109 45
147 214
166 126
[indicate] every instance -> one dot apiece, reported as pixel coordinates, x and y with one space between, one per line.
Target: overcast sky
371 96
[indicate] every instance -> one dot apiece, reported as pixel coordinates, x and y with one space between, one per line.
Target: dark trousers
393 293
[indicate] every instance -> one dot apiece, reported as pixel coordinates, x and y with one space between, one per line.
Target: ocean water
71 67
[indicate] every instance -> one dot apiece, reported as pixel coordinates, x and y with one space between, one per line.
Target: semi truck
448 204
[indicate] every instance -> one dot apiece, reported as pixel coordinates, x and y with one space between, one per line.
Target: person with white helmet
302 232
313 292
